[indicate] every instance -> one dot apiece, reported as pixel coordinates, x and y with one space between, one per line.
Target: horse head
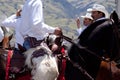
116 28
114 16
54 42
7 37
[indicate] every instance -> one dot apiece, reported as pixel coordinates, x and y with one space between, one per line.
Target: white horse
43 67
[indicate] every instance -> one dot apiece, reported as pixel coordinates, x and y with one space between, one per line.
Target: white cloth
12 21
81 29
1 34
32 23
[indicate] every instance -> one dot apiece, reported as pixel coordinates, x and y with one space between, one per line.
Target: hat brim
90 10
83 16
86 17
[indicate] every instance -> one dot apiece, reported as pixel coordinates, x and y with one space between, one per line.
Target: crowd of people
29 24
30 28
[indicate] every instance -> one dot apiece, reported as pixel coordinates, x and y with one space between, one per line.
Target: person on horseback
32 24
87 20
97 40
13 21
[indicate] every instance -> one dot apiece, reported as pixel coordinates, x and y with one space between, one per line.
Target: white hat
88 15
98 7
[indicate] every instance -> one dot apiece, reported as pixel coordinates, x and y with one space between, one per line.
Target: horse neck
5 42
3 58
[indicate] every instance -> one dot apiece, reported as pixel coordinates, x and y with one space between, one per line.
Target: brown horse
108 71
6 40
2 64
11 65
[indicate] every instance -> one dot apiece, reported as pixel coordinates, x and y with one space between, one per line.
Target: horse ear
116 29
21 48
114 17
10 37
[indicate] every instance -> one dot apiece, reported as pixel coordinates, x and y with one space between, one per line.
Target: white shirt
81 29
1 35
32 23
12 21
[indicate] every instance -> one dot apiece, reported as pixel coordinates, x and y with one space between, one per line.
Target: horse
93 56
39 62
7 37
112 68
12 64
8 52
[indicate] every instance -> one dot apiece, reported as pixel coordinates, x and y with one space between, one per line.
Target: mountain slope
60 13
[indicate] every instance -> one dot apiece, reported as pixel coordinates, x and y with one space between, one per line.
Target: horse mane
116 28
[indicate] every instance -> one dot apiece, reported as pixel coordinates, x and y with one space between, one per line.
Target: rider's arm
10 21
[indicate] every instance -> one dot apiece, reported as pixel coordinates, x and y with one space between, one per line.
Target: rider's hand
78 22
18 13
54 47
